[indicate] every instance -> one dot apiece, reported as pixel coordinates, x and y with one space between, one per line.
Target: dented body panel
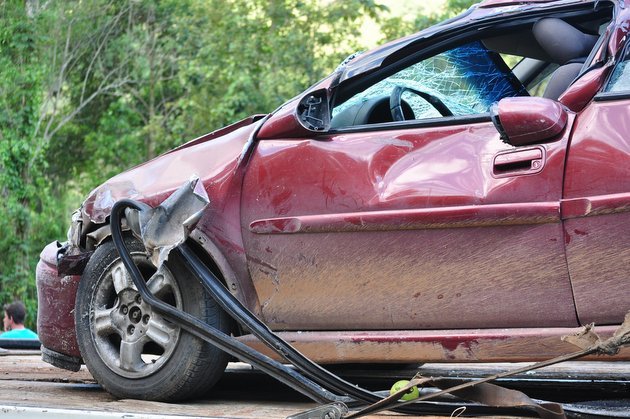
381 220
218 164
598 180
421 240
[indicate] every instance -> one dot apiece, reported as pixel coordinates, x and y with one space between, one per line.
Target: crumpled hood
212 157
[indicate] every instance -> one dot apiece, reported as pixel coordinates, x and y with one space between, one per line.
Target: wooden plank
27 381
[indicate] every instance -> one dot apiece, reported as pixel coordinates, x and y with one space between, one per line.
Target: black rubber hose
307 367
318 379
204 331
246 318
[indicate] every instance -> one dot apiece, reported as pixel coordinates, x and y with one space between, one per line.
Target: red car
425 202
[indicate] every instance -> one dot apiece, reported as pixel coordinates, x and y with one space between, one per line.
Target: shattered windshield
468 79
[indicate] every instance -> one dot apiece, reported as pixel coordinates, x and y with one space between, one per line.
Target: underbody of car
420 204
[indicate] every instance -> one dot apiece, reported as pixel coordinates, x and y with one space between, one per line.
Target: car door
433 223
596 207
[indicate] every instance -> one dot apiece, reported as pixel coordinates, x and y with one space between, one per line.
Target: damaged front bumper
56 294
61 265
57 278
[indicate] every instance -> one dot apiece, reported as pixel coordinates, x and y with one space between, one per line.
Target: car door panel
596 208
405 229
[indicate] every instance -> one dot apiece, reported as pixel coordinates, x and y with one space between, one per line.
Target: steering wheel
395 102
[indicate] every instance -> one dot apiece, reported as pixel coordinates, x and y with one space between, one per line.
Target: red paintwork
597 208
500 3
397 237
55 312
213 160
285 122
413 219
217 163
580 93
407 346
595 205
382 212
530 120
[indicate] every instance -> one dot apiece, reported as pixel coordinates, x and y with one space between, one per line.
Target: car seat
567 46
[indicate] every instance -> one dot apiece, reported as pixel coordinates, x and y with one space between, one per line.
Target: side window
465 80
620 77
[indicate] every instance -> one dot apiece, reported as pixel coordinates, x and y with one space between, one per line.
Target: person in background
14 315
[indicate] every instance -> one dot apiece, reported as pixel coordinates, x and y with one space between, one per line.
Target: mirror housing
297 118
528 120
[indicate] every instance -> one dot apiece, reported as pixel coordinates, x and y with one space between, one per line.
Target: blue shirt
19 334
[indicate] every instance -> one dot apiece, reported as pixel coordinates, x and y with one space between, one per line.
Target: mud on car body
425 202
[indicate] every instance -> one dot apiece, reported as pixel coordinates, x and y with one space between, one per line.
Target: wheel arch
206 250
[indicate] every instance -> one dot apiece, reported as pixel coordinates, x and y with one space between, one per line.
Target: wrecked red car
425 202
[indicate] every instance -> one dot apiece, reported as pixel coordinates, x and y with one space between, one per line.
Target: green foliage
397 26
88 89
26 201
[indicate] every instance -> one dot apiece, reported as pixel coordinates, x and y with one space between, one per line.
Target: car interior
546 55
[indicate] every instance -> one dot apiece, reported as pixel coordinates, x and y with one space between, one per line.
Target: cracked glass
467 79
620 78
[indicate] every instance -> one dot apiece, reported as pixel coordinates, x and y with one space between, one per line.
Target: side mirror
297 118
528 120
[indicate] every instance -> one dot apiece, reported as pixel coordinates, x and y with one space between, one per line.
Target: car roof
486 9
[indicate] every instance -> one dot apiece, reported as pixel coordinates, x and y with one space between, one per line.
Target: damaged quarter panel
596 205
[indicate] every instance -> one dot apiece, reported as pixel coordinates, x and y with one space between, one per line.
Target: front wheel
131 350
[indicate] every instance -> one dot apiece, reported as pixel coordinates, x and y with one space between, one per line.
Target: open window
464 78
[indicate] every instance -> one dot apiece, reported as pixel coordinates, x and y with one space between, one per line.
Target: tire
132 351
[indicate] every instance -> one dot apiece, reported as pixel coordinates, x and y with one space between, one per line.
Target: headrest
561 41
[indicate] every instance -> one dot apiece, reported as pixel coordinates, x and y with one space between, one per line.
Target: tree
22 188
90 88
397 26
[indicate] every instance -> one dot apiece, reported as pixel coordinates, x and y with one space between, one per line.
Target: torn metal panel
169 224
71 260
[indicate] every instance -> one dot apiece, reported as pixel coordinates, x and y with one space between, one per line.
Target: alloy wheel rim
131 339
